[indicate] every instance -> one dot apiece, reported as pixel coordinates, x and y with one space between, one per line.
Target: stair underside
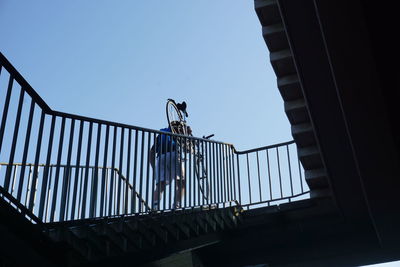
140 236
290 87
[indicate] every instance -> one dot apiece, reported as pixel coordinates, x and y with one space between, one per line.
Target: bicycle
176 116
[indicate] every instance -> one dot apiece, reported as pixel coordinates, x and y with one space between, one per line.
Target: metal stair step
218 219
172 229
282 62
115 245
148 236
290 87
321 193
267 11
134 240
296 111
316 178
227 217
91 238
275 37
156 227
187 220
212 224
64 235
303 134
310 157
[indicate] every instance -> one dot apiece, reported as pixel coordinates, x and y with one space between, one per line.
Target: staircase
290 87
86 187
144 238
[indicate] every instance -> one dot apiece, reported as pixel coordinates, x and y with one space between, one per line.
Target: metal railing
62 166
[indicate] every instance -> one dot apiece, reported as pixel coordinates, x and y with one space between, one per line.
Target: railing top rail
24 84
263 147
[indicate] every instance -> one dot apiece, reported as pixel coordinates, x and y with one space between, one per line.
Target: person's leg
179 183
159 181
158 191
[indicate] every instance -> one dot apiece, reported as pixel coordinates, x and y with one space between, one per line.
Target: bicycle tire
204 187
173 114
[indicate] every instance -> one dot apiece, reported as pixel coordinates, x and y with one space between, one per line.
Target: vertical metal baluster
121 158
155 172
248 177
269 177
66 180
234 194
14 179
228 151
5 110
228 181
210 174
203 170
14 142
190 172
107 193
28 185
37 156
206 173
279 172
239 181
171 179
224 174
78 162
228 174
219 171
115 191
57 177
95 181
141 170
110 203
185 173
80 207
214 177
86 181
165 171
180 170
104 173
68 200
26 148
196 188
128 169
147 172
259 178
47 193
133 206
44 195
301 178
290 171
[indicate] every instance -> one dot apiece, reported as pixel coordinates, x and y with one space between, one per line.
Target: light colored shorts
168 166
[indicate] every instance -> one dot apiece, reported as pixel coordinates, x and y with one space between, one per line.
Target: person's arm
152 157
189 131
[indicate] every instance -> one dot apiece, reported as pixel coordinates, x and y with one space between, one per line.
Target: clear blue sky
121 60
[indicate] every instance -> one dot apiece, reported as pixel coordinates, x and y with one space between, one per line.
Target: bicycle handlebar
208 137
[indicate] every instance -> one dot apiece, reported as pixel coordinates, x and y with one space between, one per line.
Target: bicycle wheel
175 118
201 175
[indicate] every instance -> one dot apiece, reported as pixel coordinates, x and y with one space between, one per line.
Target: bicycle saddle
181 106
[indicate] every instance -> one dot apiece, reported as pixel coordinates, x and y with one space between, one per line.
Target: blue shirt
164 142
